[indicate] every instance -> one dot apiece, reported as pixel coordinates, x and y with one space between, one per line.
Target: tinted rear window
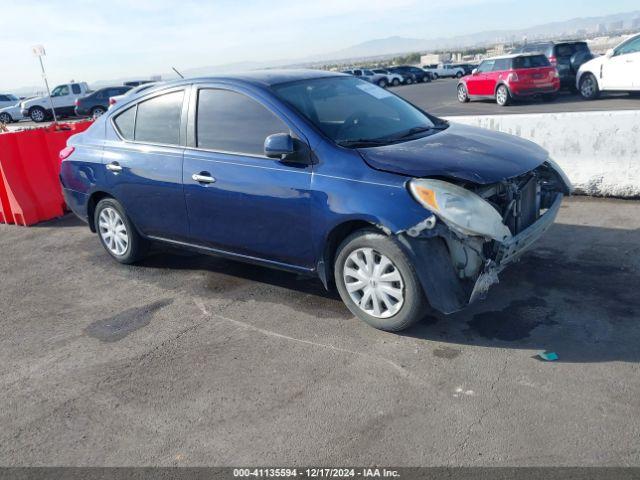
534 61
568 49
126 122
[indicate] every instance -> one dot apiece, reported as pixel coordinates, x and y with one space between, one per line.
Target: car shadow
575 294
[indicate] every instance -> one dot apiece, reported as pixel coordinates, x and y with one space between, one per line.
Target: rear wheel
589 87
459 75
503 97
97 112
116 232
463 95
377 282
395 82
409 81
5 118
382 83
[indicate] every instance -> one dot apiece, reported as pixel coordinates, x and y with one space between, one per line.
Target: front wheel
395 82
459 75
382 83
589 87
116 232
503 97
5 118
38 114
409 81
463 95
377 282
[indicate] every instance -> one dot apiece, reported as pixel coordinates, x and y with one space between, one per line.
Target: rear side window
568 49
231 122
501 65
126 122
75 88
533 61
158 119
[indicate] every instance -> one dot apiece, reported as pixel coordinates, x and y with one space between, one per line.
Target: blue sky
104 39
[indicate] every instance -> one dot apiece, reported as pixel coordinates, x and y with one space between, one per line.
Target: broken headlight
462 210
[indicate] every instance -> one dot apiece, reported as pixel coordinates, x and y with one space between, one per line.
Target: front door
143 165
238 200
622 71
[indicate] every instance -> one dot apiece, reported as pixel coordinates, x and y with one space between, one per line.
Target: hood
460 152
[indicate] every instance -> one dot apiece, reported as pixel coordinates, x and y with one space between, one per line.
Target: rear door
143 157
249 205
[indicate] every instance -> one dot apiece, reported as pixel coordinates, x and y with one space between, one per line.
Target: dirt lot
192 360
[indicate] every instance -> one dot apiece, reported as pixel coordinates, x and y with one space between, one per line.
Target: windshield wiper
362 142
416 130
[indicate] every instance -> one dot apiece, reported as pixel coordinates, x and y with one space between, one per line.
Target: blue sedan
316 173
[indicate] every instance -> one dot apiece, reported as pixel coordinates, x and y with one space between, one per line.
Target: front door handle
203 177
114 167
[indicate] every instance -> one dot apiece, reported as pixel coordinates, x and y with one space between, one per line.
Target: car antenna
179 74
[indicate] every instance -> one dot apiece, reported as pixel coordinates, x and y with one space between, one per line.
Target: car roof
514 55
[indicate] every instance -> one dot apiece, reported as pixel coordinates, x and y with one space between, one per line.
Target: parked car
134 91
511 77
567 57
96 103
618 70
466 67
137 83
412 74
445 71
320 174
379 79
63 98
8 100
393 79
11 114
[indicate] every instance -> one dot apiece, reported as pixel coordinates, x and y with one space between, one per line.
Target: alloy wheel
37 115
587 87
501 95
113 231
373 283
5 118
462 93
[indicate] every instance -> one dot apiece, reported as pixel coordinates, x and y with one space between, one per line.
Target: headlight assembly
460 209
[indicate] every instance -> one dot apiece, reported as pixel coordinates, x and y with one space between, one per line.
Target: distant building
435 58
496 50
616 26
601 29
635 23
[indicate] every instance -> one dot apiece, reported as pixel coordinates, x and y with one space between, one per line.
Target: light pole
38 51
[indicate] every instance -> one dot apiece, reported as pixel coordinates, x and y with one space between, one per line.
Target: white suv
618 70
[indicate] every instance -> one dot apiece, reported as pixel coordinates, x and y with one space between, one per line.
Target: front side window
486 66
158 119
232 122
352 112
60 91
632 46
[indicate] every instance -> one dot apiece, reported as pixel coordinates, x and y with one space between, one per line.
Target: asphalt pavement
192 360
439 98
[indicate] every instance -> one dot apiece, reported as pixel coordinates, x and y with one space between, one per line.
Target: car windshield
353 113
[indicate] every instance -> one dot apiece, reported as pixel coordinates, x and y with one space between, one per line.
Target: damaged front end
475 231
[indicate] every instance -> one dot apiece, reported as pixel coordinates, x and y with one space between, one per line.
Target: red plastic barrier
30 191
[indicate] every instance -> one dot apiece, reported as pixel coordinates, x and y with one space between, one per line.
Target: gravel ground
193 360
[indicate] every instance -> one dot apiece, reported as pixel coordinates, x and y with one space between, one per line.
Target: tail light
77 102
65 152
513 77
112 101
553 61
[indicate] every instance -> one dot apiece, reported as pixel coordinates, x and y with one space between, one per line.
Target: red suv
511 77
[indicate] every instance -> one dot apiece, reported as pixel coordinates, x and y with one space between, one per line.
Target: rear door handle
114 167
203 177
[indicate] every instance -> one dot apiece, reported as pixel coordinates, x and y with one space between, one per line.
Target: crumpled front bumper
511 250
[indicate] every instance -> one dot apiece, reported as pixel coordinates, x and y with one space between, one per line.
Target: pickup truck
63 98
444 71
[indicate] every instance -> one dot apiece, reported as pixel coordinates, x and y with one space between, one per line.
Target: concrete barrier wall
599 151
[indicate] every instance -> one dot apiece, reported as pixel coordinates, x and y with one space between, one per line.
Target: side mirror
474 71
278 145
610 53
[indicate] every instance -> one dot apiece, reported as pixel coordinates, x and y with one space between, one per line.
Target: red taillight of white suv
112 101
77 102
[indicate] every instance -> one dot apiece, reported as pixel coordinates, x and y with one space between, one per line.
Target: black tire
463 94
136 247
5 118
459 75
38 114
97 111
503 96
382 83
414 305
395 82
589 87
408 81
